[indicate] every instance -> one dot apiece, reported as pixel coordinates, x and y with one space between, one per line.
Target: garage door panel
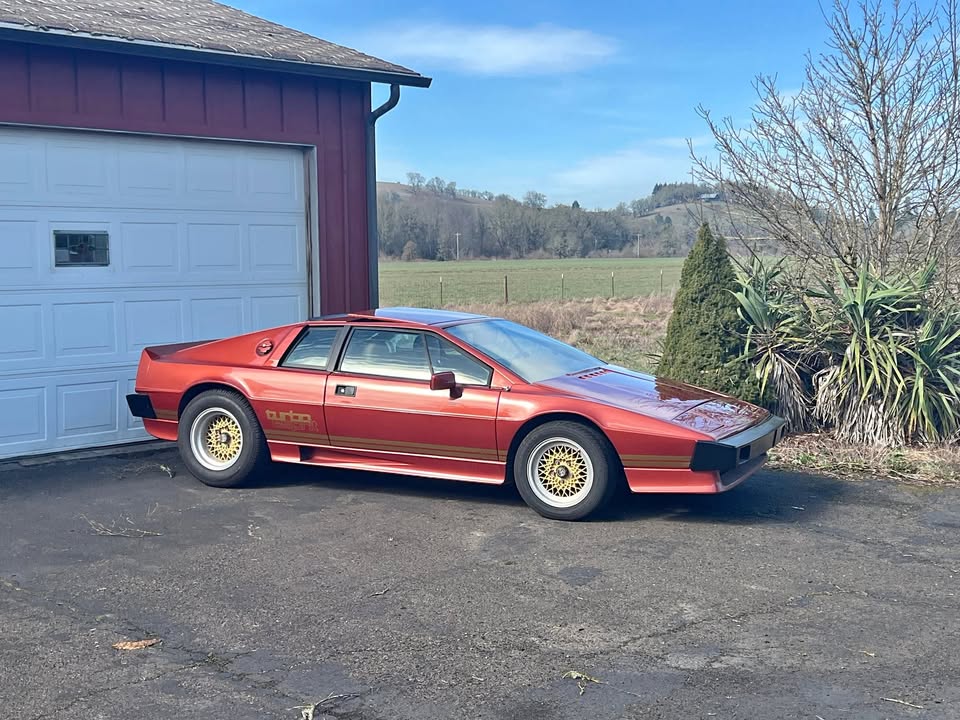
206 240
87 408
152 322
216 317
18 251
214 248
148 173
150 247
84 329
19 168
23 416
276 249
269 311
77 169
275 177
23 326
212 174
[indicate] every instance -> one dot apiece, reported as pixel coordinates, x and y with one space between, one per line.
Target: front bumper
716 466
734 452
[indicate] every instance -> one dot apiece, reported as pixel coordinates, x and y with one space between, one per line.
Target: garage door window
86 249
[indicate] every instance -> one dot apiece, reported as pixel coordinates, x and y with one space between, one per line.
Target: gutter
373 235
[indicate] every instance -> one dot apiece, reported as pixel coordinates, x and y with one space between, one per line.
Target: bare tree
535 200
862 164
415 180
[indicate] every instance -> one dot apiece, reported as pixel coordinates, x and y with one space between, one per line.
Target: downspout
373 236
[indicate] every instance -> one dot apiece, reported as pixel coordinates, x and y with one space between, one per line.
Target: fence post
441 291
612 287
661 281
506 294
561 286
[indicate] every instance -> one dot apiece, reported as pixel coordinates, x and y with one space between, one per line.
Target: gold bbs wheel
560 472
216 439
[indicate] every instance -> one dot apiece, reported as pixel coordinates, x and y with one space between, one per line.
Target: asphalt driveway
791 597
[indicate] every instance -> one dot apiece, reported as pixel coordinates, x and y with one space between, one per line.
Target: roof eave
164 51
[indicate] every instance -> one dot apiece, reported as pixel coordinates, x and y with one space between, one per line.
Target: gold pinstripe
656 457
288 435
344 440
382 445
656 461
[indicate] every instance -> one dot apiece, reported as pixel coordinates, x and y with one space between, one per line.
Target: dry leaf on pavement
135 644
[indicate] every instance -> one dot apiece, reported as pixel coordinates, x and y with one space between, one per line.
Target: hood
690 407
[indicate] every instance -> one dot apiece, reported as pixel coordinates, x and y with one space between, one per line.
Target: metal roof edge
166 51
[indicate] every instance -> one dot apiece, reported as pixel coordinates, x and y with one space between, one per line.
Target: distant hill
432 222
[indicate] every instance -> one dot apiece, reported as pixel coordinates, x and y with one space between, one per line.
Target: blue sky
581 101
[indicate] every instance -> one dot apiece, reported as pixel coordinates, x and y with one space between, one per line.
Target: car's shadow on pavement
767 497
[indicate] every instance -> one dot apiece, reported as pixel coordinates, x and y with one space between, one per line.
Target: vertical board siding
98 89
141 88
41 85
53 83
353 118
184 101
299 105
14 79
224 97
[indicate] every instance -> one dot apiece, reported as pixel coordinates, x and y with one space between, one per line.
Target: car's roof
426 316
417 316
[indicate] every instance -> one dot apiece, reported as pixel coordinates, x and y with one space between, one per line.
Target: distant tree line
434 220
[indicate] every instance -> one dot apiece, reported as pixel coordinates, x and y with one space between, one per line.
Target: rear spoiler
160 351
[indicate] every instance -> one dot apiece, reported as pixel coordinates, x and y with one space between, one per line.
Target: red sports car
446 395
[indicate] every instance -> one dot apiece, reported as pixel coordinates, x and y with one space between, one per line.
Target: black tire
565 470
239 451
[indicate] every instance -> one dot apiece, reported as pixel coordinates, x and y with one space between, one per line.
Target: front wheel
565 470
220 439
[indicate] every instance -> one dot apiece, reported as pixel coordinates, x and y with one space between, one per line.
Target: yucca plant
776 341
859 324
929 406
876 360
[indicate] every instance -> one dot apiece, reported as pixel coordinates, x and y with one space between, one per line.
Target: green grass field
482 281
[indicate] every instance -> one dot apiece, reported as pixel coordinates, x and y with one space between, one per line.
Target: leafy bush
704 341
876 360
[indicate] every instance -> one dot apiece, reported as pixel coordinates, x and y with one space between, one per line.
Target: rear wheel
565 470
220 439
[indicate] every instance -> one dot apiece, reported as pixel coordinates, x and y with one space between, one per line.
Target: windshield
531 355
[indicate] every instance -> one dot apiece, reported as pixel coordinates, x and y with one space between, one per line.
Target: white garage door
110 243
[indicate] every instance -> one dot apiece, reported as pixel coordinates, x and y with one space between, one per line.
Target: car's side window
445 356
312 351
388 353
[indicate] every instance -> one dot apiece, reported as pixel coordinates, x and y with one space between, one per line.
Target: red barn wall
41 85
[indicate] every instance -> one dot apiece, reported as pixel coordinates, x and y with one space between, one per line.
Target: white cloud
623 175
493 49
681 143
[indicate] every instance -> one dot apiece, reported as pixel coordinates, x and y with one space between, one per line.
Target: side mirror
443 381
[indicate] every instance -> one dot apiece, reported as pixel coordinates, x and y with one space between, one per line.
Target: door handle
346 390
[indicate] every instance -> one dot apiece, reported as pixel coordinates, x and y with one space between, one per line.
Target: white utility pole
638 244
458 245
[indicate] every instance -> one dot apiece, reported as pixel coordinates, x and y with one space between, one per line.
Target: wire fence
427 285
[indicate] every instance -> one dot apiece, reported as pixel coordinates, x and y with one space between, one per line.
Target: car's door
289 397
379 402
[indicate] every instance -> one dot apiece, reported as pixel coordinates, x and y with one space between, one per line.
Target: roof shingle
189 24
